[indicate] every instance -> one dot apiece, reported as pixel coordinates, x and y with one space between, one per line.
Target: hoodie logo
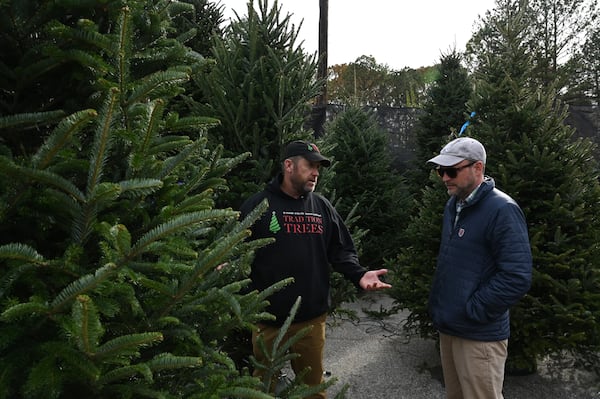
274 226
300 223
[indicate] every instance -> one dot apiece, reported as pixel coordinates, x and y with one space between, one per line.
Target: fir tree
361 151
534 157
119 276
260 89
444 112
414 267
200 25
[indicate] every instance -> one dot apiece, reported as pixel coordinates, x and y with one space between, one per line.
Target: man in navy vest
483 268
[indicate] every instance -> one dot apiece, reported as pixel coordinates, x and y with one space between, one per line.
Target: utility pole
319 112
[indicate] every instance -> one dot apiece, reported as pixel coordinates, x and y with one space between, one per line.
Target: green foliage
52 56
360 149
365 82
259 88
412 271
586 79
445 110
444 113
533 157
119 276
558 34
556 28
199 25
198 29
276 357
523 130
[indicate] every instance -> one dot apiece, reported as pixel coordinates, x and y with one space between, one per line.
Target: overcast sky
398 33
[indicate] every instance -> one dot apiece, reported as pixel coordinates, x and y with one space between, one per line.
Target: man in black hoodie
309 236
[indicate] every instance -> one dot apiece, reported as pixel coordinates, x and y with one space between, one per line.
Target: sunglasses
453 172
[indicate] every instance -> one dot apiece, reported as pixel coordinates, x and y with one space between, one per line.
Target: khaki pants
310 348
473 369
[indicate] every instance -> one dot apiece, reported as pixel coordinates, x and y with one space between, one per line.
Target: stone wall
586 121
400 124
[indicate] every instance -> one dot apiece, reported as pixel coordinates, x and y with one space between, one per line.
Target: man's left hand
371 282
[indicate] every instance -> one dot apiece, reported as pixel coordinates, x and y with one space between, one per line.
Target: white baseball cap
458 150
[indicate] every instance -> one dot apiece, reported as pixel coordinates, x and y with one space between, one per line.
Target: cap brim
316 157
446 160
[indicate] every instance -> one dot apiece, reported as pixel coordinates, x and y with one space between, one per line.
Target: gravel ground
371 359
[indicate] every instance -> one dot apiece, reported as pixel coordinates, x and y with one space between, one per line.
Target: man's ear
288 165
480 165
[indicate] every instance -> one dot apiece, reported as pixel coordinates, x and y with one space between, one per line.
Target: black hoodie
309 236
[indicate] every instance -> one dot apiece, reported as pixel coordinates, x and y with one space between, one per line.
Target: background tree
410 85
444 113
40 73
361 151
201 23
522 126
585 87
260 88
360 83
555 36
365 82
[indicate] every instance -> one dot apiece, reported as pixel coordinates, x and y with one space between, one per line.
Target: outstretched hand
370 281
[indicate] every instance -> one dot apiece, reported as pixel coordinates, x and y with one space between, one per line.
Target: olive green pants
473 369
310 348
